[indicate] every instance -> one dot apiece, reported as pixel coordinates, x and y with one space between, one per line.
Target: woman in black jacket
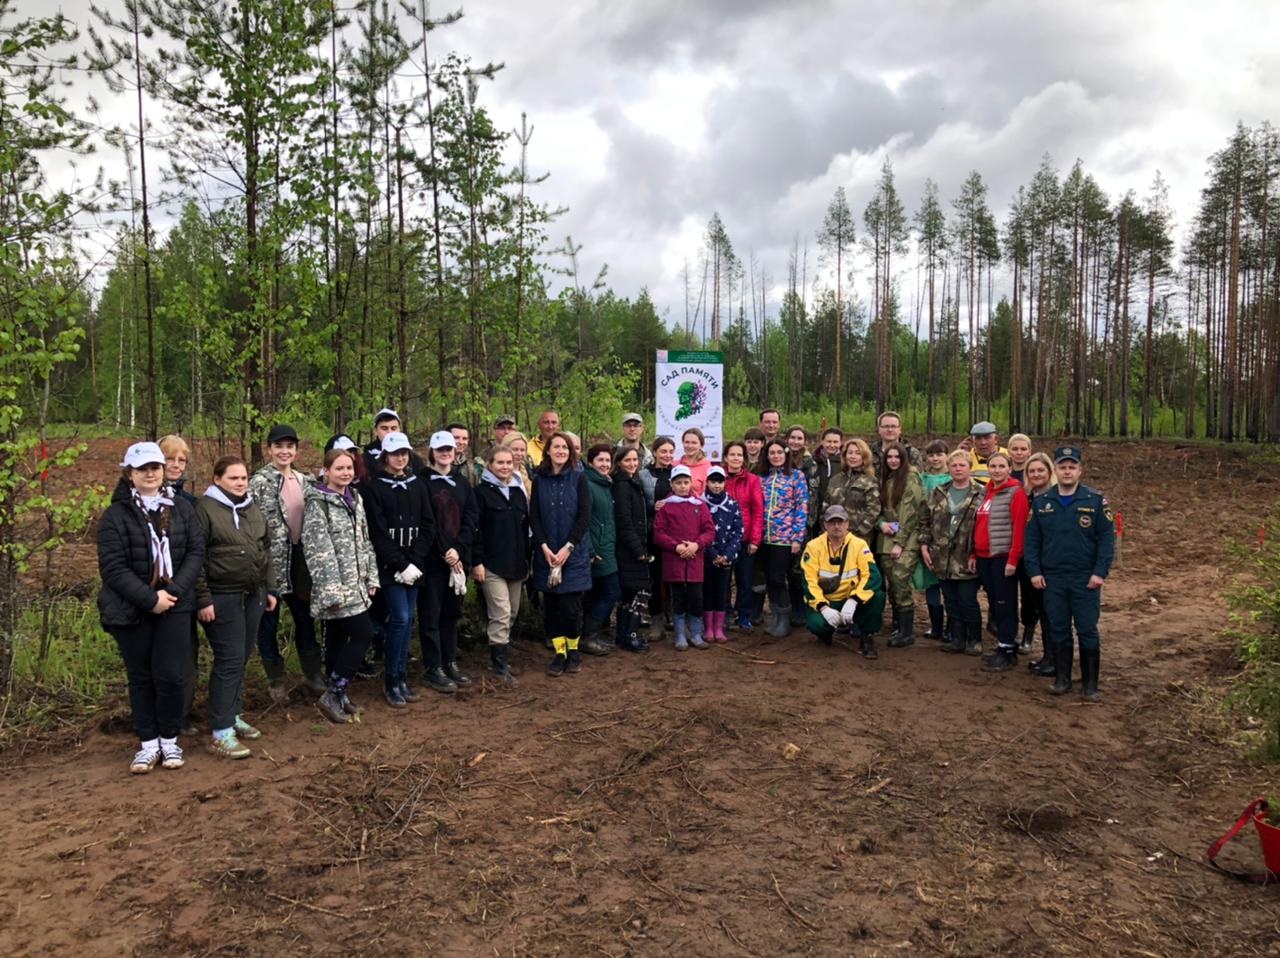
631 518
237 585
656 480
402 526
444 580
501 553
150 553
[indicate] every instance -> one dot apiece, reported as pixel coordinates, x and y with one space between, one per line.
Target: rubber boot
591 642
501 671
1089 661
406 690
973 638
718 618
906 628
573 661
1028 638
955 641
682 633
561 661
275 678
867 647
708 627
781 624
935 624
1002 660
629 627
1063 653
696 625
312 670
330 703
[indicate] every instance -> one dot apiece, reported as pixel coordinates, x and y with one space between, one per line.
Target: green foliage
1255 624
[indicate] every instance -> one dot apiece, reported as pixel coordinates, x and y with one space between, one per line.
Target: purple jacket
678 522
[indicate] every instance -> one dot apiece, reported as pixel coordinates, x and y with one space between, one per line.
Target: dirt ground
648 805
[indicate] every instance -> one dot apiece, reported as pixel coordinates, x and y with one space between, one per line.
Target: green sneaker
228 746
245 730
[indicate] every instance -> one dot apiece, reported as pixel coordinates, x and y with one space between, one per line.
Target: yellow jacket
535 451
857 573
978 465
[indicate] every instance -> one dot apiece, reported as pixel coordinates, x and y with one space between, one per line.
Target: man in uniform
843 588
633 437
1068 548
770 423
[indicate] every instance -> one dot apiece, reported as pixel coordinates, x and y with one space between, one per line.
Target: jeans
399 602
231 635
1002 597
439 609
304 628
743 571
502 603
605 591
155 653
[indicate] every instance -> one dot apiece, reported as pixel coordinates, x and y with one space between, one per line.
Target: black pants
231 635
776 560
561 614
439 609
155 653
345 643
961 599
1002 598
716 587
686 598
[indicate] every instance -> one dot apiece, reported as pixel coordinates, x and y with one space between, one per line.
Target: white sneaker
170 753
148 757
245 730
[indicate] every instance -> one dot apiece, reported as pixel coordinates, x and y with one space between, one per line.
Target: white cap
344 442
142 453
679 471
441 440
396 442
385 413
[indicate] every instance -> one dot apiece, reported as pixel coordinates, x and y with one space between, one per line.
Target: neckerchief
401 483
161 557
217 495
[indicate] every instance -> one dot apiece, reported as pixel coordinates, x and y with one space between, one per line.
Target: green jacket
235 559
908 514
264 486
335 540
859 493
950 540
604 529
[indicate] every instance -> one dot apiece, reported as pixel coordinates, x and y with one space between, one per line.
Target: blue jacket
1076 539
559 513
727 516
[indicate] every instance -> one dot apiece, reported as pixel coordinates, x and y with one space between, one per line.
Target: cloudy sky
651 115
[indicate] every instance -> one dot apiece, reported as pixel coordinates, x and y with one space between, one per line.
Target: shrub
1255 624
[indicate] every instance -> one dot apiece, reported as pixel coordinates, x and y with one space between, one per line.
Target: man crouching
842 585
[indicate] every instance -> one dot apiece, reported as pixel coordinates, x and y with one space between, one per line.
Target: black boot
1028 636
1002 660
573 661
406 690
955 640
867 647
1063 653
438 680
1089 675
906 629
459 678
275 679
973 639
935 624
501 671
391 692
312 669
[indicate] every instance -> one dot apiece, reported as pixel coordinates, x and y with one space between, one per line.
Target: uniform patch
1086 521
1111 516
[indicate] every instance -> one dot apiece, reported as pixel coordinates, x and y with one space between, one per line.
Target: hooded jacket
503 538
726 516
335 539
265 486
631 521
604 533
859 493
908 513
236 559
950 541
745 488
124 559
786 502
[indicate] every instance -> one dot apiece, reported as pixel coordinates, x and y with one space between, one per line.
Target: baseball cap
384 414
280 432
679 471
983 428
343 442
1063 453
631 417
396 442
504 421
834 511
715 471
142 454
442 440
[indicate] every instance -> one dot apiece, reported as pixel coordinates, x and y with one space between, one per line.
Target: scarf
402 483
218 495
445 476
696 500
161 557
721 506
505 487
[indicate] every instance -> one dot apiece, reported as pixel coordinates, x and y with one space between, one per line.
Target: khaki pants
502 601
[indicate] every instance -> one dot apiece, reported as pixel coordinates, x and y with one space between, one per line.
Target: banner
691 394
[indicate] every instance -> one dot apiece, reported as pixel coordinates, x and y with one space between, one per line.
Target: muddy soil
762 798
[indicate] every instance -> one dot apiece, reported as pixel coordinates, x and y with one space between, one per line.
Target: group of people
601 541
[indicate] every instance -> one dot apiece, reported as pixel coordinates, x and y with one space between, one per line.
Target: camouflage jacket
859 493
950 538
340 556
909 515
265 489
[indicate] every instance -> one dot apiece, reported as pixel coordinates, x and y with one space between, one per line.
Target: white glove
410 575
458 579
555 576
831 615
848 611
399 578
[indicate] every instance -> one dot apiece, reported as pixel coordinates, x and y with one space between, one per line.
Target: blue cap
1063 453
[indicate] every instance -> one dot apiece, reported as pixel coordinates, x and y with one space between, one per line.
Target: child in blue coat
727 516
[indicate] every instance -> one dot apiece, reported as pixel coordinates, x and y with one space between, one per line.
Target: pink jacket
747 491
683 521
698 473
